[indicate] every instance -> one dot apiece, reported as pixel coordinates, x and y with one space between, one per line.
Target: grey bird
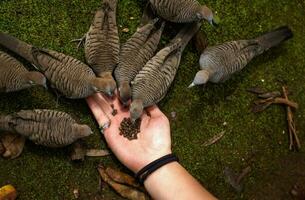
69 76
219 62
45 127
134 55
182 11
14 76
102 45
153 81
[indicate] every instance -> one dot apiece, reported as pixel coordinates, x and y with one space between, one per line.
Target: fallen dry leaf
78 151
123 190
13 144
97 153
214 139
269 95
2 149
256 90
234 179
8 192
125 30
121 177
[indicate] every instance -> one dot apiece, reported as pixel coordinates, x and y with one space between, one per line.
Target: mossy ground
258 140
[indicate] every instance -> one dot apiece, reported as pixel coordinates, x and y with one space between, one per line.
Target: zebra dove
182 11
134 55
219 62
45 127
153 81
102 45
14 76
68 75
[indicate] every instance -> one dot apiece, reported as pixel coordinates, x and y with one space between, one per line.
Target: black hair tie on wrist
153 166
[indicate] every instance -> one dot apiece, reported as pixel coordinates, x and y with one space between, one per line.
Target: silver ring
103 127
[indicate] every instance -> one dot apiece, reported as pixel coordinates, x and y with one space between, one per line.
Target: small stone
225 123
76 193
125 30
131 18
263 80
173 115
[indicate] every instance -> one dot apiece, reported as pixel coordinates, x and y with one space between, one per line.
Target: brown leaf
201 41
270 95
78 151
256 90
13 144
260 107
97 153
123 190
8 192
214 139
2 149
121 177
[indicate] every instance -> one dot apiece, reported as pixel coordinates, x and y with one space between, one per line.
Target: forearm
172 181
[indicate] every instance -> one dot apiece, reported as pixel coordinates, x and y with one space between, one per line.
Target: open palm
153 140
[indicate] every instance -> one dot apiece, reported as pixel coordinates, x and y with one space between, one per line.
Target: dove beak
191 85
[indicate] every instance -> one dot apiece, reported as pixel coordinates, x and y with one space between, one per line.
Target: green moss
250 139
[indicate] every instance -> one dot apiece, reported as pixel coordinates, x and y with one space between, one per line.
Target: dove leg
80 41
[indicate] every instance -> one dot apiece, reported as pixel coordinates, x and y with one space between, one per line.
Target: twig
278 100
293 137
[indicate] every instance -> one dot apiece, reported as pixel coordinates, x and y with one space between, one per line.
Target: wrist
149 159
146 171
161 174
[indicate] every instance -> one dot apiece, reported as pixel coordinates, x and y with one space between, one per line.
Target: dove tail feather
187 33
275 37
17 46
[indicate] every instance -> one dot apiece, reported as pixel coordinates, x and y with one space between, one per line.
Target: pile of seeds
130 130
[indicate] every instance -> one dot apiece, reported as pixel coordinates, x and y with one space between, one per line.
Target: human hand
153 141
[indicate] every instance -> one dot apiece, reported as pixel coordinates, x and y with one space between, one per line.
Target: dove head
136 109
124 93
104 85
207 14
202 77
36 78
81 130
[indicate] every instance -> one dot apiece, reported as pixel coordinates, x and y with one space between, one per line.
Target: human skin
171 181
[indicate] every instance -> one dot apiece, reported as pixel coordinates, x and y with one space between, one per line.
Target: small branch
293 137
291 104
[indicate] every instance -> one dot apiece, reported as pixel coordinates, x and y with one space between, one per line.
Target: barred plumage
153 81
102 44
14 76
219 62
181 11
134 54
45 127
69 76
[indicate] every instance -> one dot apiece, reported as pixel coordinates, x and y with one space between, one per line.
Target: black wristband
153 166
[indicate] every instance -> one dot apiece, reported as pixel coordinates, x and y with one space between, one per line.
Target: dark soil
130 130
286 182
1 148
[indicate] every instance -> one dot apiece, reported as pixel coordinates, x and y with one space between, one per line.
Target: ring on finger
104 126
